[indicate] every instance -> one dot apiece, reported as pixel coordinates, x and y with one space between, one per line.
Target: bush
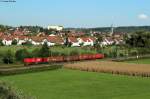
55 53
14 42
27 43
44 51
1 43
74 52
33 68
133 53
8 57
35 52
7 92
21 54
143 51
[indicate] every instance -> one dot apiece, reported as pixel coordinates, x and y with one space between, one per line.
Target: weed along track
131 69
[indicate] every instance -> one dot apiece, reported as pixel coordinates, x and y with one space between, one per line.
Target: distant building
57 28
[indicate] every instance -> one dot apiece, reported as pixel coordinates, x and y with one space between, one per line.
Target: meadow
74 84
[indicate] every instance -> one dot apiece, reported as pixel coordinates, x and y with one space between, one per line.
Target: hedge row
35 68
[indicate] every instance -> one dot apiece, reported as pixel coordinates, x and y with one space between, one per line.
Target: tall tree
44 51
98 42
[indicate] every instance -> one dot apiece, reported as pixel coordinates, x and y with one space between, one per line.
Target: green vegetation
21 54
140 61
20 70
17 53
44 51
8 57
14 42
7 92
124 29
70 84
139 39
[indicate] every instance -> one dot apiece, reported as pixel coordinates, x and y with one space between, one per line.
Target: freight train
58 59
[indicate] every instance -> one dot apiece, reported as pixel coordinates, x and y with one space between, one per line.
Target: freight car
58 59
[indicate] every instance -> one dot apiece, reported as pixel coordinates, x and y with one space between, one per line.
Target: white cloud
143 16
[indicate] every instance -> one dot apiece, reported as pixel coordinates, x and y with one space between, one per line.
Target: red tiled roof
22 37
72 39
37 39
8 38
55 39
1 33
85 39
17 32
92 38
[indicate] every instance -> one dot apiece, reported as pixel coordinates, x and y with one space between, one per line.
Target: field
97 83
74 84
131 69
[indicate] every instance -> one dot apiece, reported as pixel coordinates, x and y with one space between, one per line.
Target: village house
7 40
18 33
74 41
37 40
22 39
54 40
86 41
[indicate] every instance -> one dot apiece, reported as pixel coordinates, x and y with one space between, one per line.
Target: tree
81 44
1 43
14 42
44 51
21 54
139 39
67 43
27 43
8 57
98 41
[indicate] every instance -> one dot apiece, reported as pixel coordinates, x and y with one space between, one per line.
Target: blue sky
76 13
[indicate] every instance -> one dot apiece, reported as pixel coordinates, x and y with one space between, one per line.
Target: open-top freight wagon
57 59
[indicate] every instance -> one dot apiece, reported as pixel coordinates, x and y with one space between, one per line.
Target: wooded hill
126 29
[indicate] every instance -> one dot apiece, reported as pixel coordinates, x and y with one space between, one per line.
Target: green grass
71 84
140 61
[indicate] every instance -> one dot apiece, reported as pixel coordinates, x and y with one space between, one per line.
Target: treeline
125 29
31 29
10 55
37 29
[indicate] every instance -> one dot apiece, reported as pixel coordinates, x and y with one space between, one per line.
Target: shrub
27 43
8 57
1 43
74 52
33 68
35 52
55 53
14 42
7 92
44 51
21 54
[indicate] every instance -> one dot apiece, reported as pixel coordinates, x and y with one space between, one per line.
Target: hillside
126 29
